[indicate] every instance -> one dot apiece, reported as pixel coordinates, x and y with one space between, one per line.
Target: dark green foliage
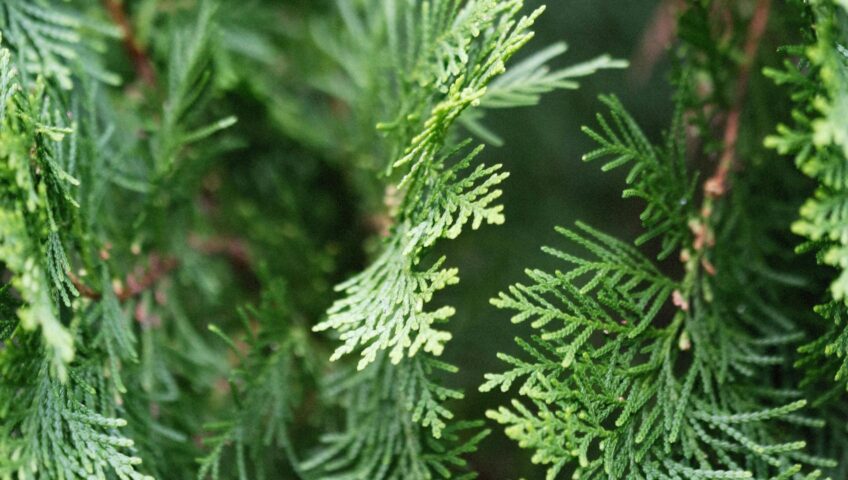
266 388
624 388
395 425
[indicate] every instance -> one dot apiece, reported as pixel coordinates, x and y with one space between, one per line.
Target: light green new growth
445 63
819 142
26 120
384 306
820 139
137 214
451 65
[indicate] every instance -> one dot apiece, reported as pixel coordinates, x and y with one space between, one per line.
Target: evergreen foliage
817 140
396 424
266 389
183 183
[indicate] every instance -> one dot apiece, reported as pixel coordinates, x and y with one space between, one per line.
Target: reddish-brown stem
84 289
231 247
137 282
141 280
716 185
656 39
141 62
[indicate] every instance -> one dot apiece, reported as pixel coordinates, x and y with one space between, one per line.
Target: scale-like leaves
29 206
385 305
818 140
395 425
60 430
616 390
657 175
441 60
54 42
268 388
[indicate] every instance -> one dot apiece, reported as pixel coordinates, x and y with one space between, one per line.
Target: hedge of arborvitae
223 228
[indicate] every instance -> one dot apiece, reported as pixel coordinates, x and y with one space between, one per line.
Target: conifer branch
457 54
657 37
135 283
611 390
716 185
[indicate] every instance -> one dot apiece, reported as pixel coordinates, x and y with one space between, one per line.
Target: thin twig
233 248
140 281
716 185
141 61
137 282
82 288
656 39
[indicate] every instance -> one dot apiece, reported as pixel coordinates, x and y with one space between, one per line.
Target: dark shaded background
549 185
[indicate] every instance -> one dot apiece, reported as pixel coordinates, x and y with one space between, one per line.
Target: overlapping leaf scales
611 388
657 175
54 42
818 140
462 50
29 208
62 430
385 409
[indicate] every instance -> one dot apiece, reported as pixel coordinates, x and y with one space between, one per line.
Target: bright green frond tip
27 119
385 306
439 189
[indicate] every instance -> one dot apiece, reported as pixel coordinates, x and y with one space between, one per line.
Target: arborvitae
182 184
